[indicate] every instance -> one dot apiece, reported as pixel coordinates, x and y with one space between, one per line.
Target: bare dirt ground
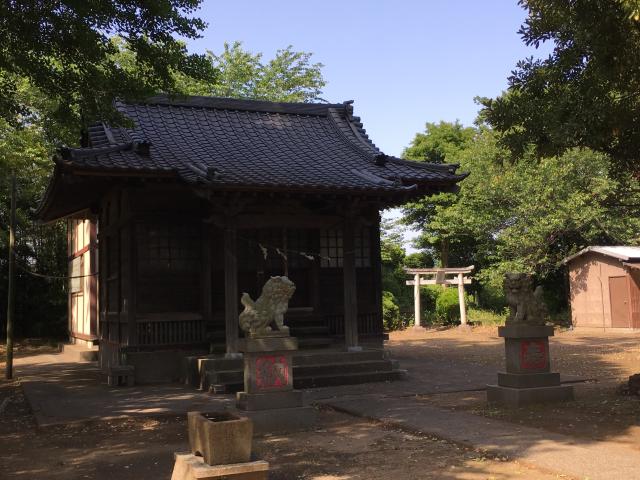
339 448
342 447
600 412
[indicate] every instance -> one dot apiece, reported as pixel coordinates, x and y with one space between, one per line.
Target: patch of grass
483 317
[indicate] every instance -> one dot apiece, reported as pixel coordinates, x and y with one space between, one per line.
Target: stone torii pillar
439 276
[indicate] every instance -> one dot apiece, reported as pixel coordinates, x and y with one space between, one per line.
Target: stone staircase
311 368
79 353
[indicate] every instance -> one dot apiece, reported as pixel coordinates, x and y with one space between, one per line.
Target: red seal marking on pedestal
533 355
272 372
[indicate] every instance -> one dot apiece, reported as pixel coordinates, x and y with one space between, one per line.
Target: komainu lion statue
526 306
267 312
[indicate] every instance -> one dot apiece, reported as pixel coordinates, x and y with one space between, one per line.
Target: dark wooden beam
350 287
207 310
376 263
93 280
231 287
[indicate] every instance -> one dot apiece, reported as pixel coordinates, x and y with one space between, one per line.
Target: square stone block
191 467
525 331
265 401
518 397
528 380
220 437
278 343
282 420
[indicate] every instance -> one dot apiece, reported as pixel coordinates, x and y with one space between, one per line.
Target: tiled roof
228 143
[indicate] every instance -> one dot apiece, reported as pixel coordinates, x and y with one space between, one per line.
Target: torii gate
439 276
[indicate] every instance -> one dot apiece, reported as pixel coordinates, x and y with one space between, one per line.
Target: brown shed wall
589 276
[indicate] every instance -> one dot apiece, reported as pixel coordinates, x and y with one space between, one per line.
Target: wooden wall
591 278
163 282
82 301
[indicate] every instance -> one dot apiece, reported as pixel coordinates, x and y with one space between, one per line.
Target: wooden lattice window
168 249
332 252
362 244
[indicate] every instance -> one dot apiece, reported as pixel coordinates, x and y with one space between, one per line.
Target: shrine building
201 199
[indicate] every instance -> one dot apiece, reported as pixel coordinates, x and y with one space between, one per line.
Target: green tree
440 143
63 49
586 93
288 77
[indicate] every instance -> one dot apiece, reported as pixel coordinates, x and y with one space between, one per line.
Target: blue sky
403 62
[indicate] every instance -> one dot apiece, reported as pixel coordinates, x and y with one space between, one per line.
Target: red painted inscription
272 372
533 354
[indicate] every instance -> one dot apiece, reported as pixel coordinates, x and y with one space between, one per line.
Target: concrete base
191 467
281 420
529 380
518 397
265 401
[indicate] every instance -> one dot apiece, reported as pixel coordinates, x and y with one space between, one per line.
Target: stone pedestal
192 467
269 399
220 438
528 378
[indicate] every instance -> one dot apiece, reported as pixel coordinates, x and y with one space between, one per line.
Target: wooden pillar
376 263
416 300
350 287
132 273
463 311
231 288
207 310
93 279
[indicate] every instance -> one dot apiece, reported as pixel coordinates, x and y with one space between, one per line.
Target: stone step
218 363
341 368
323 357
333 380
233 380
314 342
309 331
80 353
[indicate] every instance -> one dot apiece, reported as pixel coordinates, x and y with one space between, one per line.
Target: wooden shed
205 198
605 287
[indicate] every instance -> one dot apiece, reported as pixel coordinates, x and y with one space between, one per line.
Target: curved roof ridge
433 167
225 103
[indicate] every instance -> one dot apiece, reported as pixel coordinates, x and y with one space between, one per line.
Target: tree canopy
586 93
525 215
288 77
62 64
63 49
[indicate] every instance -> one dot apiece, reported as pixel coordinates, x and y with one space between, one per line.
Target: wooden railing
175 329
368 324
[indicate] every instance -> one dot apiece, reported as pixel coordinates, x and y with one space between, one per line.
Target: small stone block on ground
192 467
518 397
220 437
266 401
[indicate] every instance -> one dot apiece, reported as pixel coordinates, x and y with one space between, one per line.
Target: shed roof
623 253
235 144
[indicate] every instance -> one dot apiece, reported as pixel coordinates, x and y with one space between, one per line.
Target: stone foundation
192 467
528 378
